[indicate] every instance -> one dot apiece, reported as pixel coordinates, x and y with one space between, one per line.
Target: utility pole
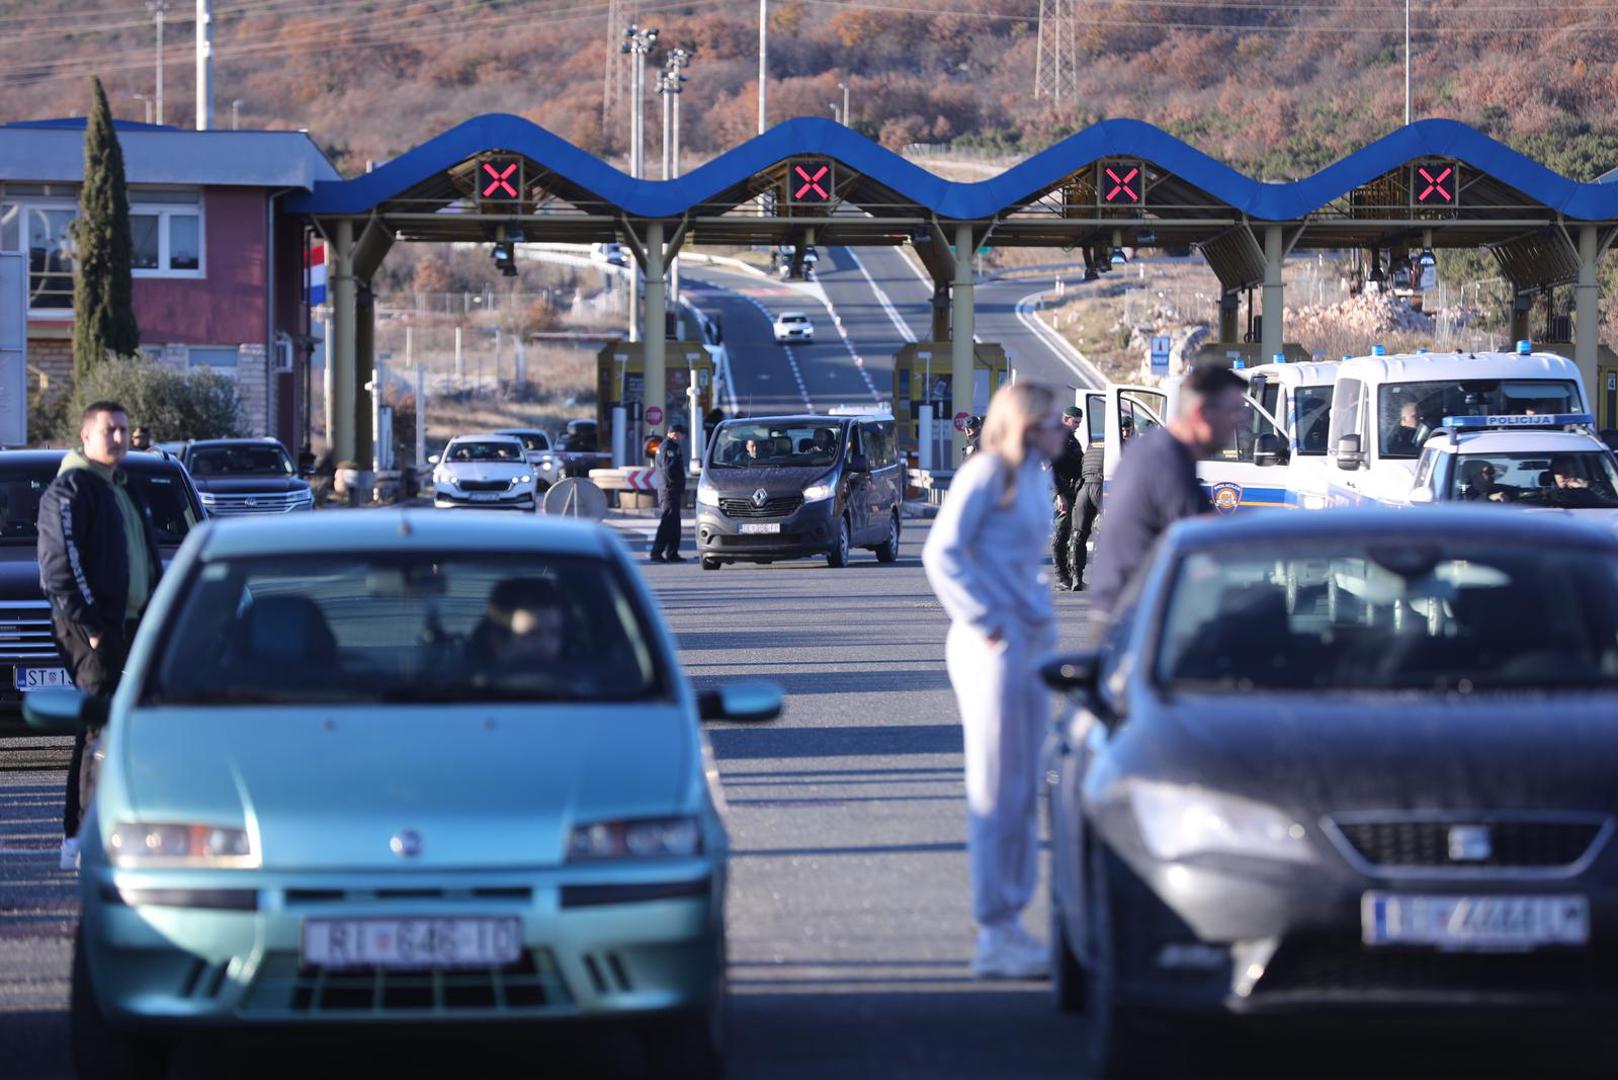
678 60
1407 62
158 8
146 100
204 65
763 55
844 88
1056 72
636 45
612 89
236 113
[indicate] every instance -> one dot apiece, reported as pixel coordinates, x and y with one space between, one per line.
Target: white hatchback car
793 326
489 472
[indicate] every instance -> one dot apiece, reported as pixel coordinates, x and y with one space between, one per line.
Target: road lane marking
882 298
1075 360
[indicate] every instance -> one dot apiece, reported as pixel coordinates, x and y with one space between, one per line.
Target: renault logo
406 843
1470 843
760 497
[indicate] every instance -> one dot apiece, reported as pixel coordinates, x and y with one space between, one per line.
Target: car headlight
644 839
819 492
523 479
135 843
1176 821
708 496
207 498
547 462
443 478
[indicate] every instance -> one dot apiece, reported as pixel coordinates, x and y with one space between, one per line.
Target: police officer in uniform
1067 471
1086 509
671 470
974 434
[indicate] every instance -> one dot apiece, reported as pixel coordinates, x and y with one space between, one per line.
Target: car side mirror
1269 450
1421 497
741 702
1350 455
62 712
432 459
859 463
1074 673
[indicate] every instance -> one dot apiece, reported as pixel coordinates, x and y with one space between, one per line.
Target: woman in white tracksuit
985 560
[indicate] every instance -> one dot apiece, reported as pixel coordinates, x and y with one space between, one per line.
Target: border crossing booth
621 383
922 381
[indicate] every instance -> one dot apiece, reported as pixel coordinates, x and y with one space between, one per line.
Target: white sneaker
1004 953
70 853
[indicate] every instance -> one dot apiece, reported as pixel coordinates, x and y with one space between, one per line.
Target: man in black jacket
1065 472
670 495
98 565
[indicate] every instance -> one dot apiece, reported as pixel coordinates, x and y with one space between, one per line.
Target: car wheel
888 550
1122 1044
711 564
1067 977
838 555
100 1051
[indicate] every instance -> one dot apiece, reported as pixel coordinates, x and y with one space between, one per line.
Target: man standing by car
98 565
670 495
1156 484
1086 508
1066 472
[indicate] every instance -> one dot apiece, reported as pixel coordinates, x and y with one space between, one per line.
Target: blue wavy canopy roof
961 201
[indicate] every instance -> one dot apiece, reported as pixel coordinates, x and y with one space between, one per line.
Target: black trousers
1061 543
95 671
1086 508
667 540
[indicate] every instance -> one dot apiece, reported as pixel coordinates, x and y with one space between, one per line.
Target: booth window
165 230
219 359
44 229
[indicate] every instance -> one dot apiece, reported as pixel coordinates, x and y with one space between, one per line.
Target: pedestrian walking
1156 482
985 560
98 564
671 468
1065 472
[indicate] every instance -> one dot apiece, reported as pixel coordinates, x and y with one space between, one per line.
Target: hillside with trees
1275 89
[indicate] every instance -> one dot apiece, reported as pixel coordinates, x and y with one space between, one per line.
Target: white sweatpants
1003 713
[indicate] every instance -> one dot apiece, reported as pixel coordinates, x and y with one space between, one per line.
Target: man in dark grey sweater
1156 483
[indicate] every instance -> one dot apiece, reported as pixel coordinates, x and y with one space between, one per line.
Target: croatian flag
314 269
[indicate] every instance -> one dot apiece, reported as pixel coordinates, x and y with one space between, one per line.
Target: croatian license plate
411 943
1494 923
40 678
761 527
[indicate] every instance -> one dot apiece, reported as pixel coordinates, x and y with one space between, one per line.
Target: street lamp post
637 43
159 8
671 87
236 113
844 88
146 100
1407 62
763 54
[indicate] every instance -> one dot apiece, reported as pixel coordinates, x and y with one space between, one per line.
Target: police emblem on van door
1227 497
760 497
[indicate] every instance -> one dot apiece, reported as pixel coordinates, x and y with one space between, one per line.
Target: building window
44 229
166 230
221 359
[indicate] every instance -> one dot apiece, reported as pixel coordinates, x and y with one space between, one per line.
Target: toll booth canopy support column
1274 293
364 370
653 326
340 408
1586 310
962 332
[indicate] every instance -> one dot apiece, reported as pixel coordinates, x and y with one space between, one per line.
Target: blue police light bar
1379 350
1542 420
1278 358
1524 348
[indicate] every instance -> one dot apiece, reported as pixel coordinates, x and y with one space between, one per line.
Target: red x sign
1435 184
811 183
1122 185
498 183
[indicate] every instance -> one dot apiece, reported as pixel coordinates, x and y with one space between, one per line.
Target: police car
1551 462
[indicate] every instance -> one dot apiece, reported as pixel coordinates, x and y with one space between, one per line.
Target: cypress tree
103 316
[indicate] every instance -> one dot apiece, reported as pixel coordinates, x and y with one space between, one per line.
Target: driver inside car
524 627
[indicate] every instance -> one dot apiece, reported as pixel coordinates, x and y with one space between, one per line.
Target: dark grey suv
789 487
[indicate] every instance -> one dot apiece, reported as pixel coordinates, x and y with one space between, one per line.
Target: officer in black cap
1067 472
974 432
671 468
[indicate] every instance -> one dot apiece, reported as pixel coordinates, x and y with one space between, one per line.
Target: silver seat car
401 769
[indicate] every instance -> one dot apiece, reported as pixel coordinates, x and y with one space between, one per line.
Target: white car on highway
548 467
490 472
793 326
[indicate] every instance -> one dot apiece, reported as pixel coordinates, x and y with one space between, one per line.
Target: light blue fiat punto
381 767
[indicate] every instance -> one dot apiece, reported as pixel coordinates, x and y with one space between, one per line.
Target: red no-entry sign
654 415
960 420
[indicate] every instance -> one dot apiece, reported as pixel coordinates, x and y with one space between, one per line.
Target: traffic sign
1161 346
810 182
960 420
654 415
500 180
1120 183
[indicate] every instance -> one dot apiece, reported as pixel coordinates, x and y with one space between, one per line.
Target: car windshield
1409 412
532 440
1566 481
798 444
162 496
363 627
1457 617
240 461
794 318
505 450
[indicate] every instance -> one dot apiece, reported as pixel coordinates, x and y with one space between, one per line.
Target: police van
1385 408
1553 462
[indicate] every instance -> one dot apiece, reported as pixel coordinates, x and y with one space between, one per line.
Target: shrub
172 405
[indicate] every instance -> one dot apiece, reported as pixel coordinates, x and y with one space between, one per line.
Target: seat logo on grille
406 843
760 497
1470 843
